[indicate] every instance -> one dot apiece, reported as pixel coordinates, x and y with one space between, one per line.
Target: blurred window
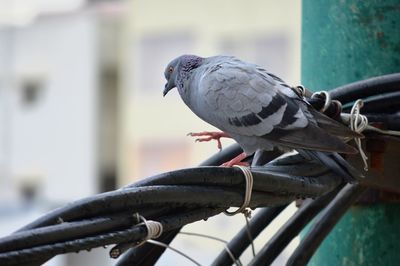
31 91
270 52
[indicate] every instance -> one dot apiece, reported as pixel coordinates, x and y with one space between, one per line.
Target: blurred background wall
81 106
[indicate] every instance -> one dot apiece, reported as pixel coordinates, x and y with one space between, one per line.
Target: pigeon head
179 69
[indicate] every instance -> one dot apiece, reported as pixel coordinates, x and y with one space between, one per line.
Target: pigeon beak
168 87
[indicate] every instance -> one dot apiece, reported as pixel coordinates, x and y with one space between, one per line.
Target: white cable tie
250 236
300 90
247 196
327 98
154 228
358 123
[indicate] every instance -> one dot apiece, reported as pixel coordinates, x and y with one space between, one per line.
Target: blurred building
59 87
58 108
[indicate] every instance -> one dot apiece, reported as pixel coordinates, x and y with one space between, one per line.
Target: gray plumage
253 106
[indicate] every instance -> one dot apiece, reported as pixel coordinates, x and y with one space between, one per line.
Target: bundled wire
174 199
182 190
325 223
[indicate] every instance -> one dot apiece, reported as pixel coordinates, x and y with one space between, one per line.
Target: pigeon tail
335 163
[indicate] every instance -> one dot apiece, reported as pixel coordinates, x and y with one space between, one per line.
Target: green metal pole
345 41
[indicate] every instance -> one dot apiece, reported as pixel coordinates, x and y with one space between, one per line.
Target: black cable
134 234
72 230
43 252
188 195
365 88
391 121
288 160
147 254
265 179
120 200
62 232
324 224
308 210
241 241
60 214
264 157
51 218
223 156
297 165
263 218
75 230
384 103
217 159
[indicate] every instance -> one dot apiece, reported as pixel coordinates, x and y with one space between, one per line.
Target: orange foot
237 161
207 136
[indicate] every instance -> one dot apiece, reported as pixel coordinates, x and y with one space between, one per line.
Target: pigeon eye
170 69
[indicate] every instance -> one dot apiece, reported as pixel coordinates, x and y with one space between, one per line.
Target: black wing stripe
288 117
246 120
276 103
235 122
253 119
250 119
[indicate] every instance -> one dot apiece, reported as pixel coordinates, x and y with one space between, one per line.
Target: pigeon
258 110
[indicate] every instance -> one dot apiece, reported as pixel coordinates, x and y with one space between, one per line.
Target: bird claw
207 136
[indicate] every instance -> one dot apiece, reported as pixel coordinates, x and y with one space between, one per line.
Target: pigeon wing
243 99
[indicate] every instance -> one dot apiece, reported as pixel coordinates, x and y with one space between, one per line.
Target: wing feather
248 101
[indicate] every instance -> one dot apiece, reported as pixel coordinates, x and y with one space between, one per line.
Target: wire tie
300 90
327 98
358 123
154 229
247 196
